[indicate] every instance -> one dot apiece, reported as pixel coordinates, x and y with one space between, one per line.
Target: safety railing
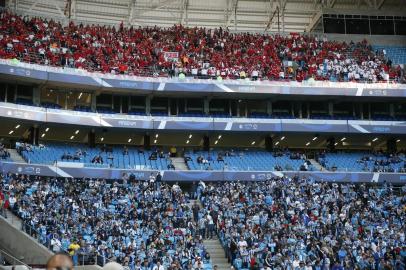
11 260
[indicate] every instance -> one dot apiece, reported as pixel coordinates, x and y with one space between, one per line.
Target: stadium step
317 165
217 254
15 157
179 163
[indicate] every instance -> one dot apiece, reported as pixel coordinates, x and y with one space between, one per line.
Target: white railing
82 72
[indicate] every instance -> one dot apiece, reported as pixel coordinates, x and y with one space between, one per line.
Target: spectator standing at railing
73 252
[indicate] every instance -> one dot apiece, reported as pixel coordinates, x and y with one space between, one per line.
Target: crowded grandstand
180 135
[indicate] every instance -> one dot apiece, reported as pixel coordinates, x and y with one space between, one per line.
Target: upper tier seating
135 158
363 161
396 54
246 160
202 53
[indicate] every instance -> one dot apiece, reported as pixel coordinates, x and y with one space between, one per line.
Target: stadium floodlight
156 135
308 143
343 139
219 137
190 136
47 129
11 132
72 137
216 142
155 141
43 135
375 139
283 137
276 143
187 142
314 138
129 140
17 126
77 132
253 143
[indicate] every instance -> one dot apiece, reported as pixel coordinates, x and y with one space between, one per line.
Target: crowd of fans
198 52
282 223
138 224
4 154
300 224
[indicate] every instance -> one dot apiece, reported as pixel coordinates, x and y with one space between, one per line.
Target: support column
392 110
330 108
148 105
147 142
269 107
206 143
206 106
300 110
91 139
93 104
33 135
36 96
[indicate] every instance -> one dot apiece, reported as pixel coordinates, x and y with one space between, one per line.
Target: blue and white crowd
142 225
293 224
298 224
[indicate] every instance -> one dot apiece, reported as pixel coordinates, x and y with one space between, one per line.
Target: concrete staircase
317 165
214 248
15 157
217 254
179 163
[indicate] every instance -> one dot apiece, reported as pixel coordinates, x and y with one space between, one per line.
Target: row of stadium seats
363 161
246 160
217 159
202 53
114 158
396 54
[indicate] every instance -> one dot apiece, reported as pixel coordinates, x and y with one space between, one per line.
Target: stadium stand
250 160
216 159
115 157
281 223
202 53
363 161
137 224
301 224
396 54
265 179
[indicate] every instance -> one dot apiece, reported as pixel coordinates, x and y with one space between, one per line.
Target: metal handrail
81 262
13 258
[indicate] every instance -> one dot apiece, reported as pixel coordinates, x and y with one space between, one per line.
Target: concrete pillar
206 105
269 107
148 105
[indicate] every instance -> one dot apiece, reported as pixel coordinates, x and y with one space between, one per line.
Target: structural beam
313 21
161 4
231 9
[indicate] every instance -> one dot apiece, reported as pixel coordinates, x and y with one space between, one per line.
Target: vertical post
148 105
206 106
392 110
6 94
330 108
93 104
279 26
235 15
269 107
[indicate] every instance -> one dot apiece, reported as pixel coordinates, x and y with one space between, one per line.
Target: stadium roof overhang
238 15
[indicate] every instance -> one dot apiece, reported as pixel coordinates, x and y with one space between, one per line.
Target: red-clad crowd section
198 52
